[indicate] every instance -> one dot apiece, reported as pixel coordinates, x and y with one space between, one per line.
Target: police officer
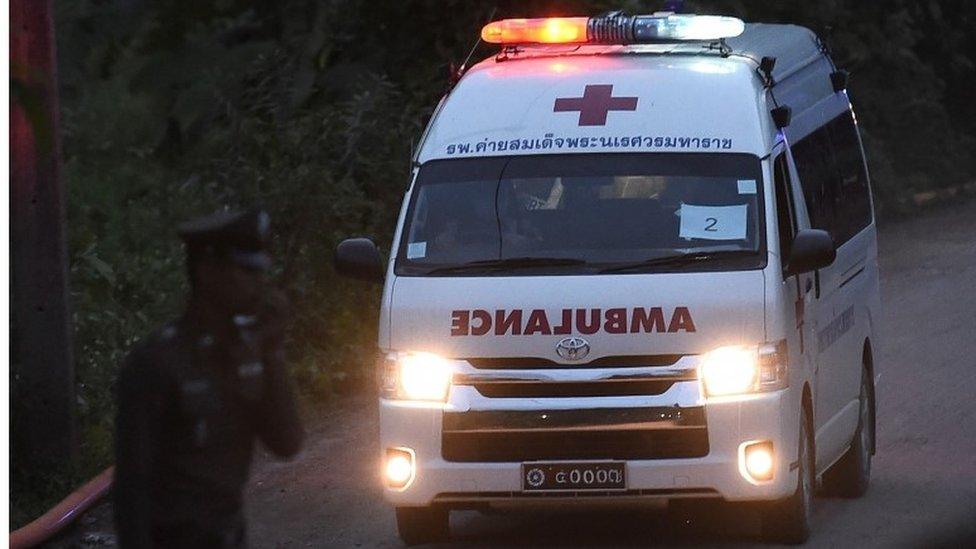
196 394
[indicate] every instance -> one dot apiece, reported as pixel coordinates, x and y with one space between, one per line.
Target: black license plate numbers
606 475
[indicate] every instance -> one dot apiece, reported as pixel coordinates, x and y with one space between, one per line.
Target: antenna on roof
458 72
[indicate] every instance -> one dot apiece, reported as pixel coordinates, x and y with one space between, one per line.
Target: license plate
594 475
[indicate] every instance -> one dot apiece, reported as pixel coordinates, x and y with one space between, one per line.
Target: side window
812 155
786 219
851 178
834 179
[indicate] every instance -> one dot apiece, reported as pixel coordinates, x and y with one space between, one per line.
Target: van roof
677 97
793 46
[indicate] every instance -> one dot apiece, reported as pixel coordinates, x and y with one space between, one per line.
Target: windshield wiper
677 260
508 263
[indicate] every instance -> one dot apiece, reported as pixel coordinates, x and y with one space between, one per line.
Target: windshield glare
601 209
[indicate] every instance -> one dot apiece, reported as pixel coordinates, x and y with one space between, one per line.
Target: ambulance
637 261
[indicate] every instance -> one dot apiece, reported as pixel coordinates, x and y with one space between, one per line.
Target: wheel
850 476
417 525
788 520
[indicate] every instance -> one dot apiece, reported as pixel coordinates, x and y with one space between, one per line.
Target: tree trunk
42 366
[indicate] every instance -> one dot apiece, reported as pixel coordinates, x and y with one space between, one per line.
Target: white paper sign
713 222
747 186
416 250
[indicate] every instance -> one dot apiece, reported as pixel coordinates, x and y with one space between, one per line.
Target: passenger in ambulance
520 230
460 230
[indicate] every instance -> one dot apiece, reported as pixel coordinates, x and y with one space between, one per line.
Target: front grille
541 389
609 433
526 363
637 385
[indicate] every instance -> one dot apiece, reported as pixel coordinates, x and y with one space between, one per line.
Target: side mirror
812 249
358 258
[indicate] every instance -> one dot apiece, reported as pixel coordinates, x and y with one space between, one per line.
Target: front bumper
730 423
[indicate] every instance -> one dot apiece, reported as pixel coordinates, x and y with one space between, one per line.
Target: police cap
242 237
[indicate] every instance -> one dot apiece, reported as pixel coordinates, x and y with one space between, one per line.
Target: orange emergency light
549 30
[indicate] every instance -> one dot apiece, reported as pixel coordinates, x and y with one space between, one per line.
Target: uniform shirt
186 428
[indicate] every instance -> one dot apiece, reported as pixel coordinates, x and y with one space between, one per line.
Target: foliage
172 109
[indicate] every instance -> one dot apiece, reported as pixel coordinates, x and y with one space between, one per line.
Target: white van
637 261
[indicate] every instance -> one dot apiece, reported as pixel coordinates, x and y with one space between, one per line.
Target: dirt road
923 490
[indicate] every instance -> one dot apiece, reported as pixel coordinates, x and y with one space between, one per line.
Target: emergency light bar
615 28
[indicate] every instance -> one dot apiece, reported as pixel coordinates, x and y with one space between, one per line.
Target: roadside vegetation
311 108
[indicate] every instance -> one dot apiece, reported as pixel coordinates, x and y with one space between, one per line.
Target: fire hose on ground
64 513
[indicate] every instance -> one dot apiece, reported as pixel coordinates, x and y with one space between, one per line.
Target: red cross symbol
596 102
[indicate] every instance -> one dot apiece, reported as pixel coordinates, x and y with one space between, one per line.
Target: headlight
415 376
740 369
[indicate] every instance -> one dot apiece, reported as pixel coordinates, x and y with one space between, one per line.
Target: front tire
850 477
788 520
419 525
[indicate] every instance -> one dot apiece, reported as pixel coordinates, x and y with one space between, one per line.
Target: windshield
590 213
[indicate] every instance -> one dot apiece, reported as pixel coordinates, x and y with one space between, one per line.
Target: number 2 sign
713 222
